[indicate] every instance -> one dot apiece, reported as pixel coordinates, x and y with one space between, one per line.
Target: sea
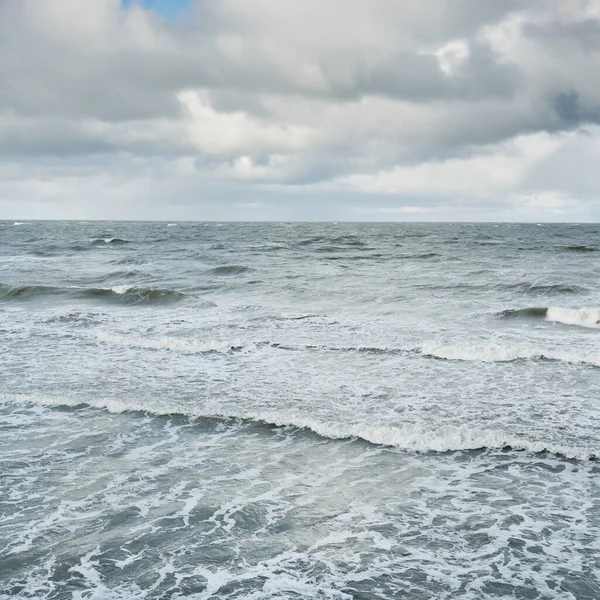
299 411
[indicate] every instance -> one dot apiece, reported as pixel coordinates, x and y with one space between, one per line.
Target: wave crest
543 289
108 240
169 343
124 293
408 437
586 317
534 311
583 317
136 295
448 438
229 270
25 292
500 353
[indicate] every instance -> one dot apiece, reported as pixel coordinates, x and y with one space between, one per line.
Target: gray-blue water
325 411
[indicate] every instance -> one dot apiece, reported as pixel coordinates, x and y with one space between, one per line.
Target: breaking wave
448 438
188 346
408 437
501 353
124 293
108 240
137 294
453 351
586 317
583 317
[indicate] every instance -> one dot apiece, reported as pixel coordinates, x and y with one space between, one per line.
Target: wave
447 438
408 437
312 240
56 250
349 240
199 346
136 294
79 248
499 353
586 317
124 293
230 270
419 256
534 311
17 223
583 317
170 343
77 318
453 351
333 244
339 248
108 240
538 288
579 248
26 291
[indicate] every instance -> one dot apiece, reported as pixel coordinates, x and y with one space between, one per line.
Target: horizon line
324 221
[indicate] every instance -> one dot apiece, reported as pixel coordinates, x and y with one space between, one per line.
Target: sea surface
299 411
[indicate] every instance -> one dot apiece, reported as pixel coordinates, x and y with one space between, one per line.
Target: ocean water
327 411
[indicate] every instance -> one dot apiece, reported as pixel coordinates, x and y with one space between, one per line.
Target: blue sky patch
170 9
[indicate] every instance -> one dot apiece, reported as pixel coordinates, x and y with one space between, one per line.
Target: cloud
390 107
502 167
236 133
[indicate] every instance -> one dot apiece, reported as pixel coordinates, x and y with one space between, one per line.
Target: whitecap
584 317
191 346
408 437
505 353
122 289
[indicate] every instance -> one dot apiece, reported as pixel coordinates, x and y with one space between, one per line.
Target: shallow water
199 410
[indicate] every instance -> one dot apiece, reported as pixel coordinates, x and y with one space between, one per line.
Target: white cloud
495 170
236 133
402 210
452 55
545 199
386 107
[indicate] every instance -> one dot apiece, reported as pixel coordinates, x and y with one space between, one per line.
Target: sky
342 110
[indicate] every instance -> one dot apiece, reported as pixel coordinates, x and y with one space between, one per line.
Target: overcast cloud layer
315 109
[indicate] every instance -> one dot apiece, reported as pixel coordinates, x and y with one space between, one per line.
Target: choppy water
299 411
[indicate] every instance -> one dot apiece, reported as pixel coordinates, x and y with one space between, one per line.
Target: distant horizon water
325 222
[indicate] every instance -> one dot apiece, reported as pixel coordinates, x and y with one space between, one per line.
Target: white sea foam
585 317
409 437
108 240
168 343
506 353
17 223
122 289
414 438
